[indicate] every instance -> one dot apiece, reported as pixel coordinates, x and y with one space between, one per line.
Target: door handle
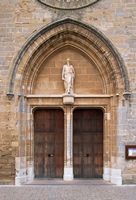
50 155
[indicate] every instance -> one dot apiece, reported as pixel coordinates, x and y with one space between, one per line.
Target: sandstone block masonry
19 20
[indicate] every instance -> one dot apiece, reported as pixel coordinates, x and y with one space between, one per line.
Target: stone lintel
75 96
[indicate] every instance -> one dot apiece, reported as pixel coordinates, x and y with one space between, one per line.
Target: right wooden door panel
88 143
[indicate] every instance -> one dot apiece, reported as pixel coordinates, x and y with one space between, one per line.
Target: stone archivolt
68 34
49 47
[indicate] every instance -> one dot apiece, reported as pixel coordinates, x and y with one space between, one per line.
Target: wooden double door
49 143
88 143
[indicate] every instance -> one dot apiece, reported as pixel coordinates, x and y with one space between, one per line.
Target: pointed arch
62 33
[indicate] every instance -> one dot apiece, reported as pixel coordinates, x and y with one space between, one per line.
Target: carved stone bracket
10 95
127 95
68 99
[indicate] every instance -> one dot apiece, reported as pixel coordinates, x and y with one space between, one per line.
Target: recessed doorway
88 143
48 143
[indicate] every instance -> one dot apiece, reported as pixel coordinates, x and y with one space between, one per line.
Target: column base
68 174
116 177
22 177
113 175
106 174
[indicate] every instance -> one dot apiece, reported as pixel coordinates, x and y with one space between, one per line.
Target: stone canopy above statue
68 4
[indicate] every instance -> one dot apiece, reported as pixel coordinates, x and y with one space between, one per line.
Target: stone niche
87 77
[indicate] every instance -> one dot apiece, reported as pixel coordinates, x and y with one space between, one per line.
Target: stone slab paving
78 191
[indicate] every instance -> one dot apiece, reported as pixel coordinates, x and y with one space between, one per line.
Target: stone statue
68 75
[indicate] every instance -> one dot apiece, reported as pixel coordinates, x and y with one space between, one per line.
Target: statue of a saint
68 75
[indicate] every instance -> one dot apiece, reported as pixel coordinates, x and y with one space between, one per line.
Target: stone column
68 155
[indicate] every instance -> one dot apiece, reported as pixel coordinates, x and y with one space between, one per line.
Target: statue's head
68 59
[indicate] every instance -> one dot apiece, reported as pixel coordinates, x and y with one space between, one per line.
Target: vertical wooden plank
39 158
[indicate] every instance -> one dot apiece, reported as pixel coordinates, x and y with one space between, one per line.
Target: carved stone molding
68 4
68 33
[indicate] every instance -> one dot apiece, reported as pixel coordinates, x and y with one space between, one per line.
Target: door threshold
57 181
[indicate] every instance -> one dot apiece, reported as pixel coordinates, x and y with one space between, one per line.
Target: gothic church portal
66 127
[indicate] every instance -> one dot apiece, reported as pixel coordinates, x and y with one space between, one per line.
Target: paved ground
78 190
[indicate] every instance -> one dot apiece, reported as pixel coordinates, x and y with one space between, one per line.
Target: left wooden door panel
49 143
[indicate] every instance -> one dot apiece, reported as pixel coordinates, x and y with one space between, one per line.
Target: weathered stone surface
68 4
19 20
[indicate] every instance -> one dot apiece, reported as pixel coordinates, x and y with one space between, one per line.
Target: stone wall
19 19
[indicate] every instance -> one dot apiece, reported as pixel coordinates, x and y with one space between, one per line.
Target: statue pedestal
68 99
